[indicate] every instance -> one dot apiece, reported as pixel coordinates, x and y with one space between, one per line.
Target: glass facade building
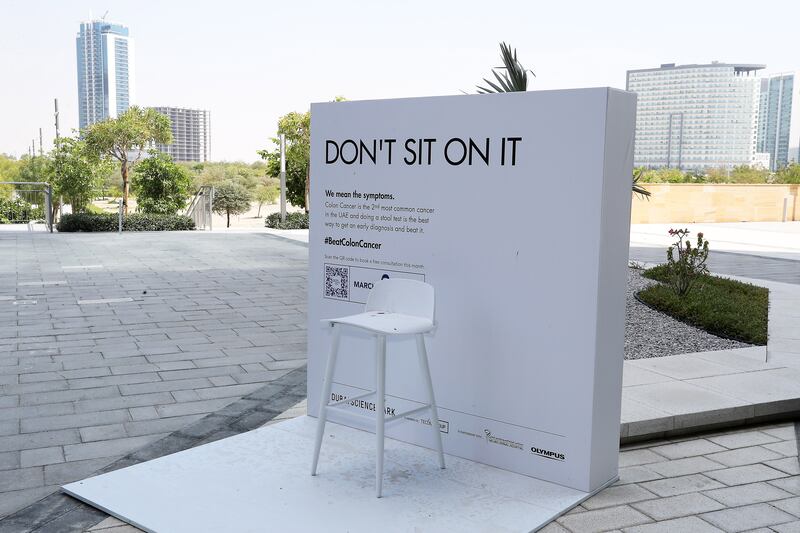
191 133
695 117
105 71
775 118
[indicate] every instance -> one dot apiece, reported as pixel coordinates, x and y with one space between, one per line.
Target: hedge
19 211
132 222
297 220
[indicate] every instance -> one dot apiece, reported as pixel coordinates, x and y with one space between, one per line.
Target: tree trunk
259 209
229 218
124 170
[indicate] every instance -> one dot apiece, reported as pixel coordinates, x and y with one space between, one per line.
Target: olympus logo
547 454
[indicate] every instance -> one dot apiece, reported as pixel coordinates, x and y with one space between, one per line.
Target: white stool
394 307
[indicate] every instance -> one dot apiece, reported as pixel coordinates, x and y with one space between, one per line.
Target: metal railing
201 208
31 201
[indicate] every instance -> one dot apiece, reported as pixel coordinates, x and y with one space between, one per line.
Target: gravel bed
649 333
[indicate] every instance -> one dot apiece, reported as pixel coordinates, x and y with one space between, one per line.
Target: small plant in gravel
690 263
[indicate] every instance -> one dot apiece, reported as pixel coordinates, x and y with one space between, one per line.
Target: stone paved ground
742 480
192 322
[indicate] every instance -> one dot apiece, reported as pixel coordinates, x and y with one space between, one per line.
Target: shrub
298 220
690 264
720 306
19 211
133 222
161 186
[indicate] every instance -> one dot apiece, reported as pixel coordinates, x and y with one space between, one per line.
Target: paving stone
790 465
744 456
787 447
682 467
789 527
14 499
677 506
160 425
41 456
747 494
747 517
688 449
106 432
783 432
604 519
9 460
617 495
59 474
143 413
43 439
681 485
689 524
741 439
106 448
741 475
48 423
191 408
790 505
789 484
22 478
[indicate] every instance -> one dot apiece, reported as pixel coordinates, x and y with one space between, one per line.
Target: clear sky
249 62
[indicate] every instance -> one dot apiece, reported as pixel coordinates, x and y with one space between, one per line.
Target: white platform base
260 481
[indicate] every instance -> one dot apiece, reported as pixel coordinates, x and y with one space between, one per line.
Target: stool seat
386 323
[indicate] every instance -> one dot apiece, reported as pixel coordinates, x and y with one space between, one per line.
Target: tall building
191 133
775 118
695 117
105 71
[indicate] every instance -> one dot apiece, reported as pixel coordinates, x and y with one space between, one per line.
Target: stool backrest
405 296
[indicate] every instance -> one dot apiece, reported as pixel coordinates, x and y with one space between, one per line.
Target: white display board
516 208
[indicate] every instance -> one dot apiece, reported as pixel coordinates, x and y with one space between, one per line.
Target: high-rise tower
105 71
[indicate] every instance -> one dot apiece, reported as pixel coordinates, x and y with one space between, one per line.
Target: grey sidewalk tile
126 379
22 478
44 439
740 439
123 402
59 474
790 465
55 397
143 413
677 506
748 517
160 425
13 500
789 527
747 494
688 448
604 519
786 447
49 423
681 485
782 432
744 456
690 524
685 466
106 448
789 484
617 495
41 456
106 432
9 460
790 505
164 386
191 408
740 475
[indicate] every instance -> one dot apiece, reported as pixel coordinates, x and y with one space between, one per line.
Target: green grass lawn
723 307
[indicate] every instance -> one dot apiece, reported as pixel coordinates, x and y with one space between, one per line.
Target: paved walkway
110 342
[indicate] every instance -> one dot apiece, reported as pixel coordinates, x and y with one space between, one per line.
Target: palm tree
515 77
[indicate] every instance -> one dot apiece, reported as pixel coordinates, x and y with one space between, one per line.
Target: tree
161 186
297 128
515 77
125 137
78 173
266 193
9 169
789 174
231 199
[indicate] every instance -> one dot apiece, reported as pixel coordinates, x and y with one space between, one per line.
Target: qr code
337 282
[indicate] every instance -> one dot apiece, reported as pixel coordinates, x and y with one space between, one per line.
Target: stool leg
324 399
426 371
380 410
